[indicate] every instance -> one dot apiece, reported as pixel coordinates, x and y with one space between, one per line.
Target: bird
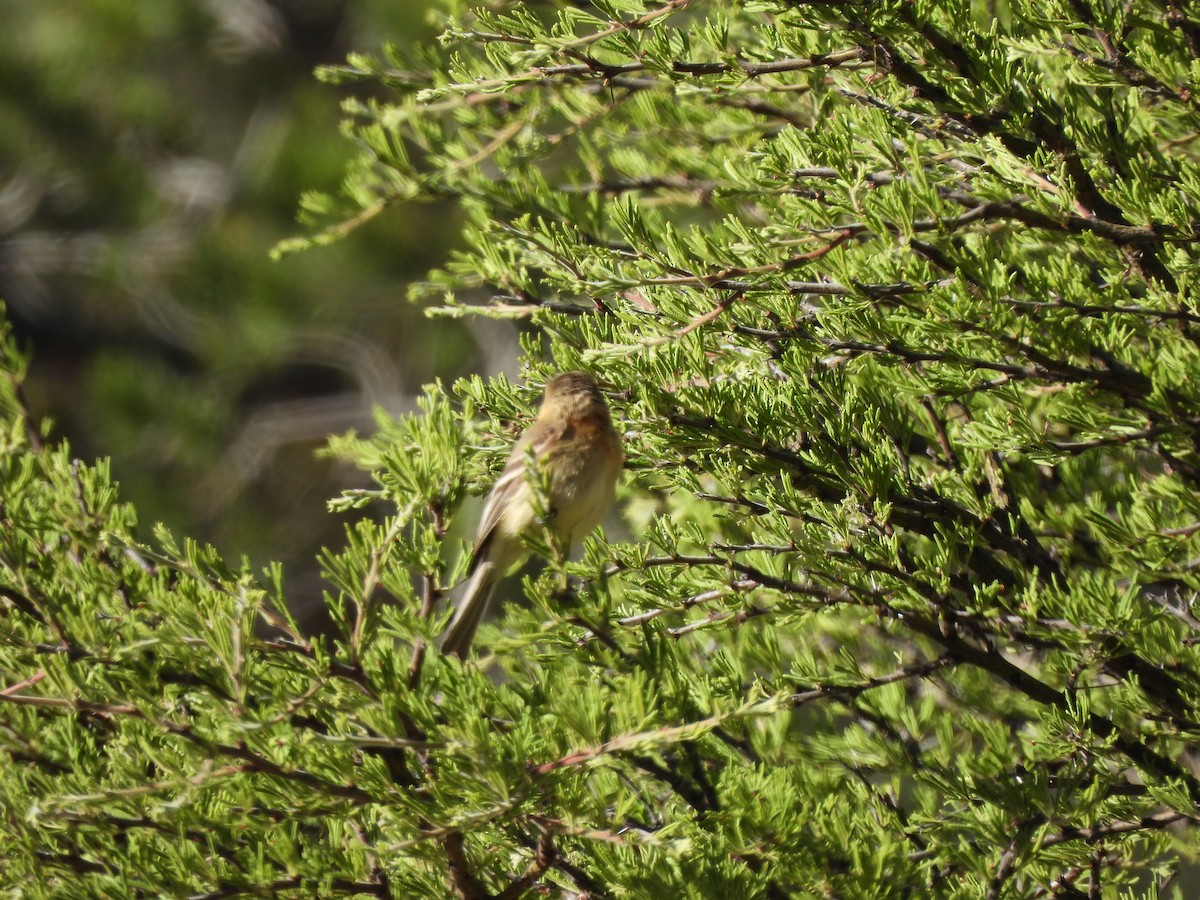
579 458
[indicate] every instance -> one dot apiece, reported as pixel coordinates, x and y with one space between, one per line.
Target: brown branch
77 863
339 885
999 210
1046 133
611 71
851 691
772 67
430 594
371 579
543 858
1044 370
254 761
814 288
690 730
647 183
739 615
353 674
707 317
991 660
1004 868
15 689
101 710
466 885
939 430
1094 311
261 764
1095 833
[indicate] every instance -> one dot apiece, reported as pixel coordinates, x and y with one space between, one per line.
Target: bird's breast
584 470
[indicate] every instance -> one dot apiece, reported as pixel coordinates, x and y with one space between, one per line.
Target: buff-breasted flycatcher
578 455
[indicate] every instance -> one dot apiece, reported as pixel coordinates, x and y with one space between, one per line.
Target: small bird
578 452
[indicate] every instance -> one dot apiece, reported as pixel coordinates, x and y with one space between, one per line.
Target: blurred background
151 154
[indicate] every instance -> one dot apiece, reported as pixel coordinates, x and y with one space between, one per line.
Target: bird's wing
510 483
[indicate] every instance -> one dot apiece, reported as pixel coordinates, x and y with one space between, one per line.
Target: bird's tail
460 632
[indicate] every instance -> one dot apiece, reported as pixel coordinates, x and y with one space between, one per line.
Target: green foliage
151 155
896 303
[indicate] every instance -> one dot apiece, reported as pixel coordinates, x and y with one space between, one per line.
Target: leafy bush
897 305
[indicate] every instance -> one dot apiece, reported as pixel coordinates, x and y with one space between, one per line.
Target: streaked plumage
579 452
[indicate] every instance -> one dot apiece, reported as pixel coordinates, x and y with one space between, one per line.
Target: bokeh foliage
895 302
151 155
